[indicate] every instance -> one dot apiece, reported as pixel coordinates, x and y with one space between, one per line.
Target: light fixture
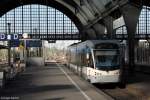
25 35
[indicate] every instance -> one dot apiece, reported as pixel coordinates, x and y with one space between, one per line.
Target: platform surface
51 82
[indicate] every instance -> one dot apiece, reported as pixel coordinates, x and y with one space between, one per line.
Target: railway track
137 88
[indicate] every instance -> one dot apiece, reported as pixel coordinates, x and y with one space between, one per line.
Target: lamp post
9 47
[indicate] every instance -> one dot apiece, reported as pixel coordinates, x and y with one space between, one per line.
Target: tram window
107 59
101 58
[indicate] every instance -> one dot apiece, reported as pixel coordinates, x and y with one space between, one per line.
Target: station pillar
91 33
99 30
131 16
9 46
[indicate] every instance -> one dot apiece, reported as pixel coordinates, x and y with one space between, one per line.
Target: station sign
16 43
29 43
33 43
6 37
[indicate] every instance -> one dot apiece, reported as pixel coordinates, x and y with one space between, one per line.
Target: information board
33 43
6 37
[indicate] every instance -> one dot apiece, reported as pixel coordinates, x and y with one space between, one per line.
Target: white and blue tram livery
98 61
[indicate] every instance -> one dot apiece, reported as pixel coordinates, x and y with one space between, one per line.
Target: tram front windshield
106 59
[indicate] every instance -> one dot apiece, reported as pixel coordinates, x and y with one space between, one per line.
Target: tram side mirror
87 56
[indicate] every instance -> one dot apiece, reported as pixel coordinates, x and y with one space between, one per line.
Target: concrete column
91 34
25 52
99 30
108 21
131 15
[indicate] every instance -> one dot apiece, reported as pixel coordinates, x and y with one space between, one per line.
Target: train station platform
51 82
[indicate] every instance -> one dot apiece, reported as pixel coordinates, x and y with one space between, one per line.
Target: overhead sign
17 43
29 43
14 43
5 37
118 23
33 43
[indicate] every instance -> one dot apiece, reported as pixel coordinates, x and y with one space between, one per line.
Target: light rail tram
98 61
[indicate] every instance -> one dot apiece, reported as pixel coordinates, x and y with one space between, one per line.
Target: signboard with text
33 43
6 37
17 43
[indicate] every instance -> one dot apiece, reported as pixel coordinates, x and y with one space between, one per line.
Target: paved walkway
52 82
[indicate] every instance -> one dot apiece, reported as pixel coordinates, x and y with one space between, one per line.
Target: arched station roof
84 13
